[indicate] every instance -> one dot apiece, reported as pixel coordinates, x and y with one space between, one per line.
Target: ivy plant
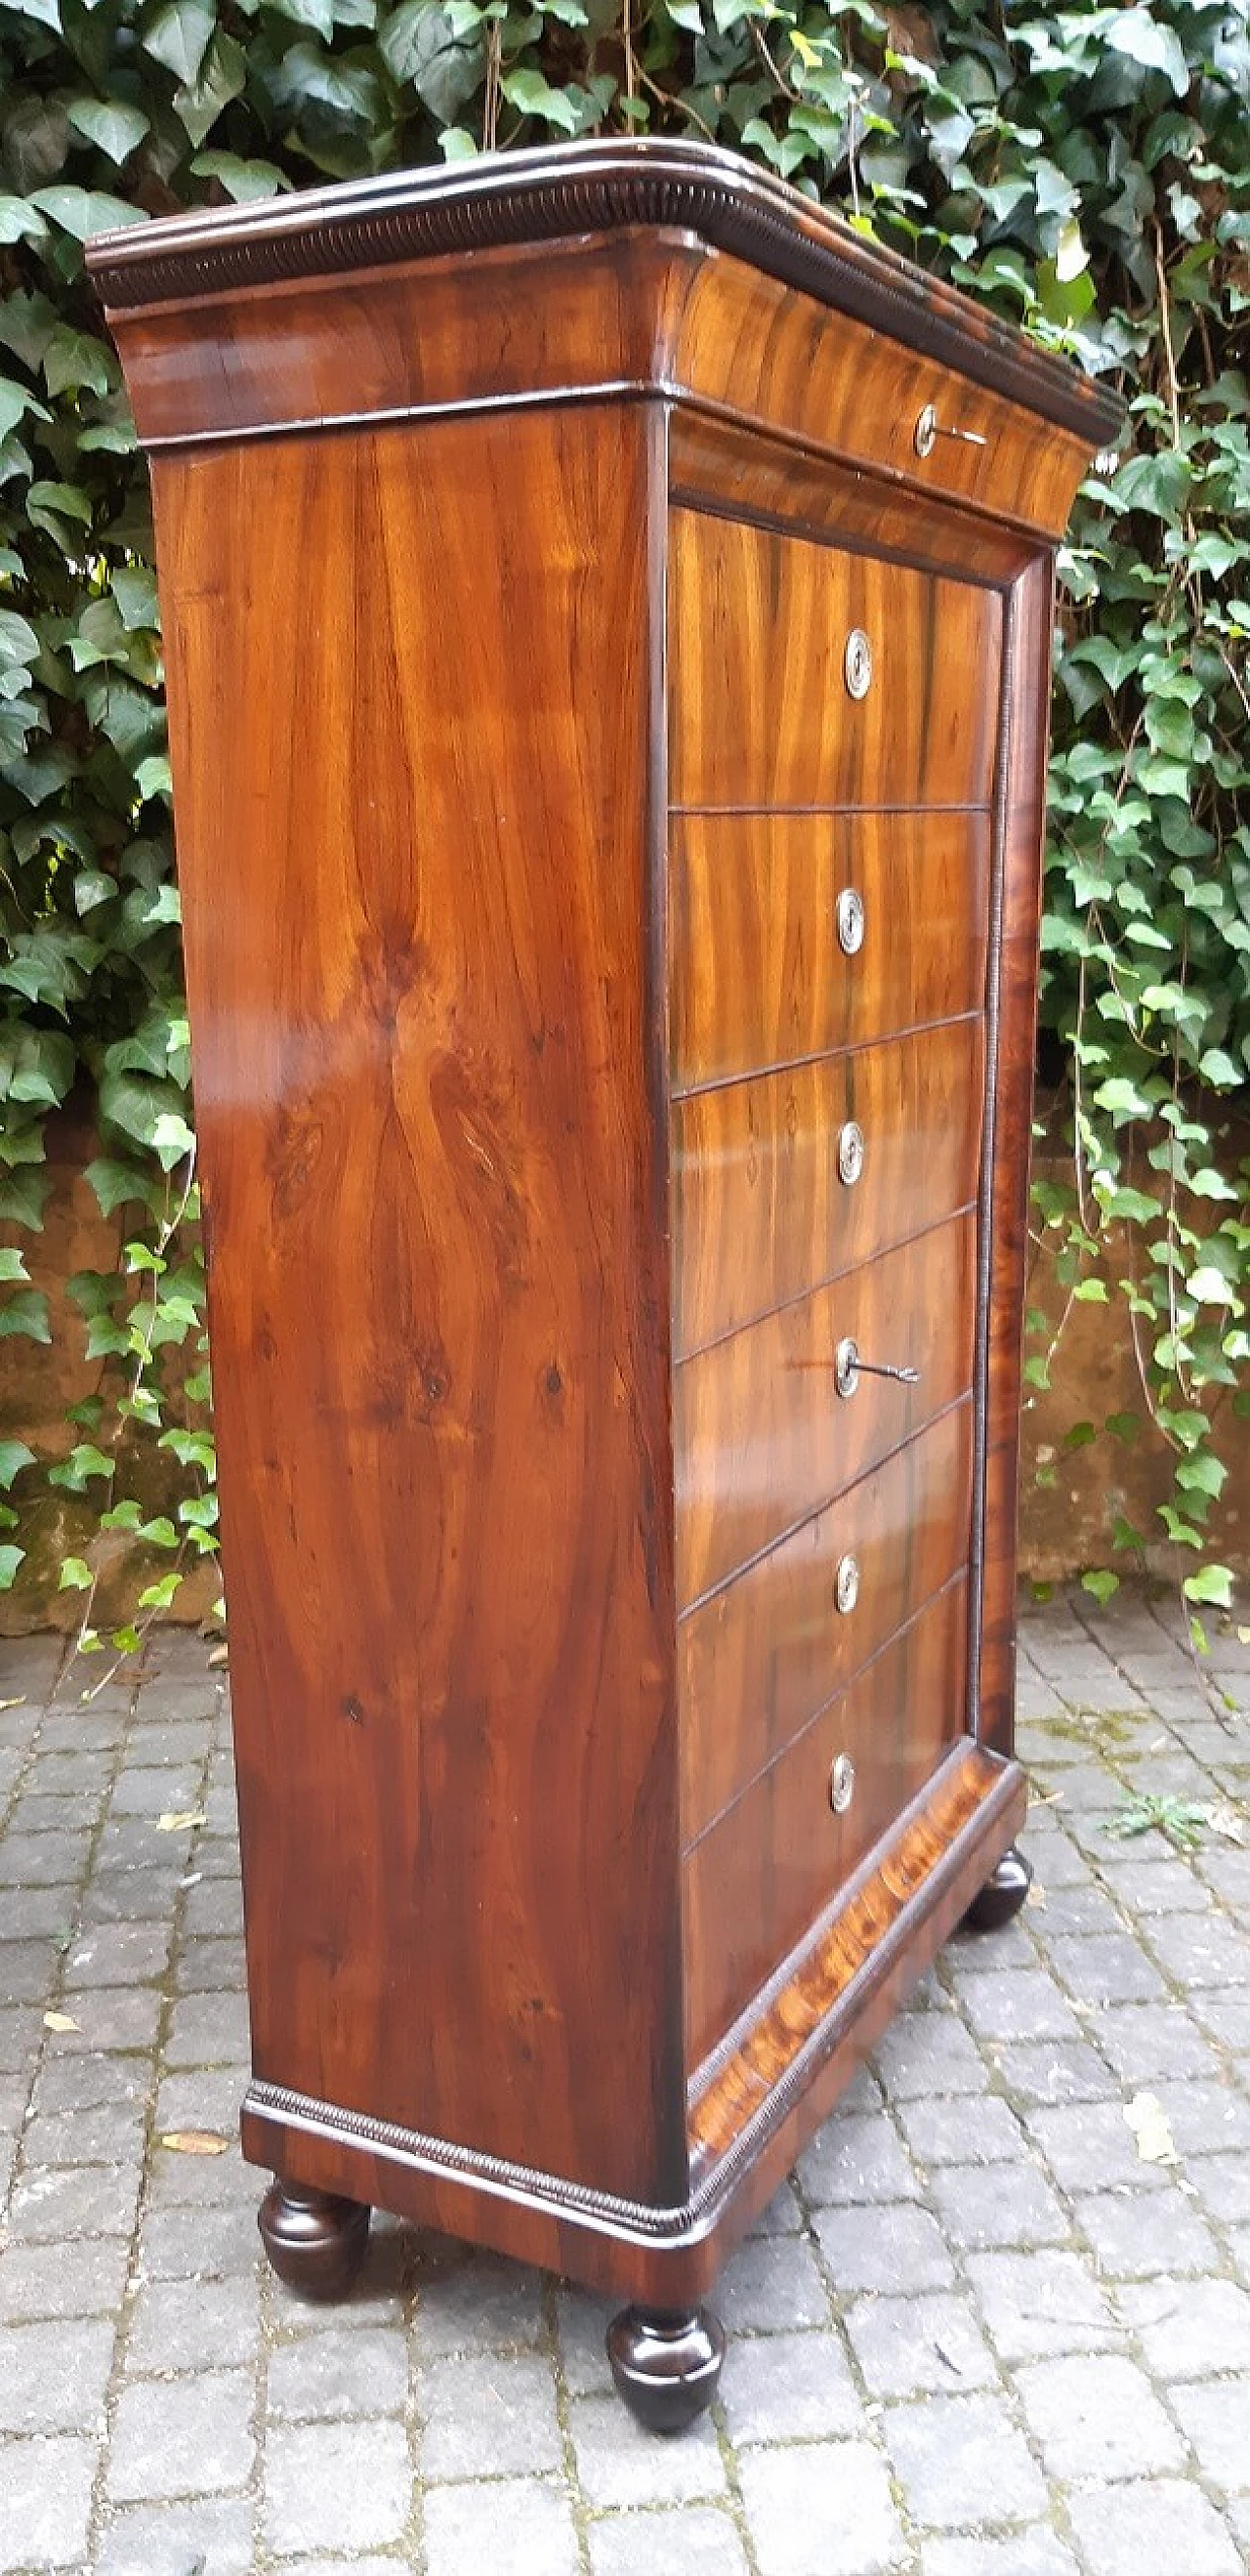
1084 170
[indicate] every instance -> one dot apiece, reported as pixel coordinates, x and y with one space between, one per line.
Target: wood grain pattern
849 1978
438 1293
761 1875
761 1213
758 977
761 714
757 1660
1022 806
761 1439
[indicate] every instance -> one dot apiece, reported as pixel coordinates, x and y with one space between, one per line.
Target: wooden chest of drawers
607 609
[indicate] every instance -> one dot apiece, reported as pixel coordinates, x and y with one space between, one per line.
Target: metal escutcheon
850 1153
850 921
857 663
846 1584
846 1366
924 435
841 1784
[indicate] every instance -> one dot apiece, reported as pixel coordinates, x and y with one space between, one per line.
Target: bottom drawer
758 1879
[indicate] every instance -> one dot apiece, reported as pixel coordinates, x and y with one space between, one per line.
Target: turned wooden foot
666 2365
314 2240
1003 1894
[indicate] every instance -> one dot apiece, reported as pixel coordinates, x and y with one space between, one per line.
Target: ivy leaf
1212 1583
179 36
10 1559
112 124
84 211
530 93
14 1455
1157 48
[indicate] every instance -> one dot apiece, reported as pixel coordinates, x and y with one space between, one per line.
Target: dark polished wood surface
761 713
416 907
523 775
758 975
759 1877
761 1208
763 1654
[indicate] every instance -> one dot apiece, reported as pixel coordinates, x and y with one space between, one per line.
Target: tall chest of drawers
608 612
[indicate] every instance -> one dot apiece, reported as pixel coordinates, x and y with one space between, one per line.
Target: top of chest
607 269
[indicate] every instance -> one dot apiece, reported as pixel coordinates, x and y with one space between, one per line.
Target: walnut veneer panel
759 1658
761 1213
761 1437
416 903
758 975
758 1880
760 713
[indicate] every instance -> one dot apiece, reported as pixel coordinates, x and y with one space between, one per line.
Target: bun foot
1003 1894
314 2240
666 2365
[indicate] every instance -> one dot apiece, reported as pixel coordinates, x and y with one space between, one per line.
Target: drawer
785 1181
766 1871
767 705
761 1437
764 1654
759 975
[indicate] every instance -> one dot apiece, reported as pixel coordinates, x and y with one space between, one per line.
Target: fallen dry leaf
60 2021
1036 1895
219 1656
179 1820
1149 2123
14 1703
195 2142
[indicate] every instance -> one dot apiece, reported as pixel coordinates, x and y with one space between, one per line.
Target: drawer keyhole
846 1584
841 1784
857 663
850 1153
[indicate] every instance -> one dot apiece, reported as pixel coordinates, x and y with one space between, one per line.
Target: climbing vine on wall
1085 170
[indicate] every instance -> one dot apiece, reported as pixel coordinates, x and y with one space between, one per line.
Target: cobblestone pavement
978 2334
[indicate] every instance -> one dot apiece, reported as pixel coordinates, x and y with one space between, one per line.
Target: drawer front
759 1659
759 974
761 1437
791 1179
758 1881
769 704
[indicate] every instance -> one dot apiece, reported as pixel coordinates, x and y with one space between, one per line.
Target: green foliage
1084 170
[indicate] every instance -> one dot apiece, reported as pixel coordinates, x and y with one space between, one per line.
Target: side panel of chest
834 724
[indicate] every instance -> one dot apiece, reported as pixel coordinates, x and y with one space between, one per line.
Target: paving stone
21 2035
917 2346
1226 2014
1159 2523
769 2283
46 2491
181 2437
464 2528
821 2509
56 2203
582 2323
198 2244
82 2278
1222 2185
960 2461
212 1967
1026 2553
103 2133
205 2097
1215 2415
924 2053
31 1971
1176 2240
112 2017
209 2030
1202 1950
789 2387
1042 2303
489 2415
1095 2415
155 1792
344 2486
1048 2070
856 2158
1009 2204
53 2377
204 2182
1147 1886
86 2081
1084 1907
216 2326
896 2248
1090 2145
1107 1968
331 2375
1207 2119
29 1861
783 2215
213 1909
696 2540
1189 2329
621 2464
948 2131
1147 2041
1020 2003
119 1954
213 2534
480 2305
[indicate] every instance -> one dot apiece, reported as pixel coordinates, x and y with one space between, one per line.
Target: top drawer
774 699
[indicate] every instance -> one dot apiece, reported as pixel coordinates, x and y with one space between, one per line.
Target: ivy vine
1086 171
